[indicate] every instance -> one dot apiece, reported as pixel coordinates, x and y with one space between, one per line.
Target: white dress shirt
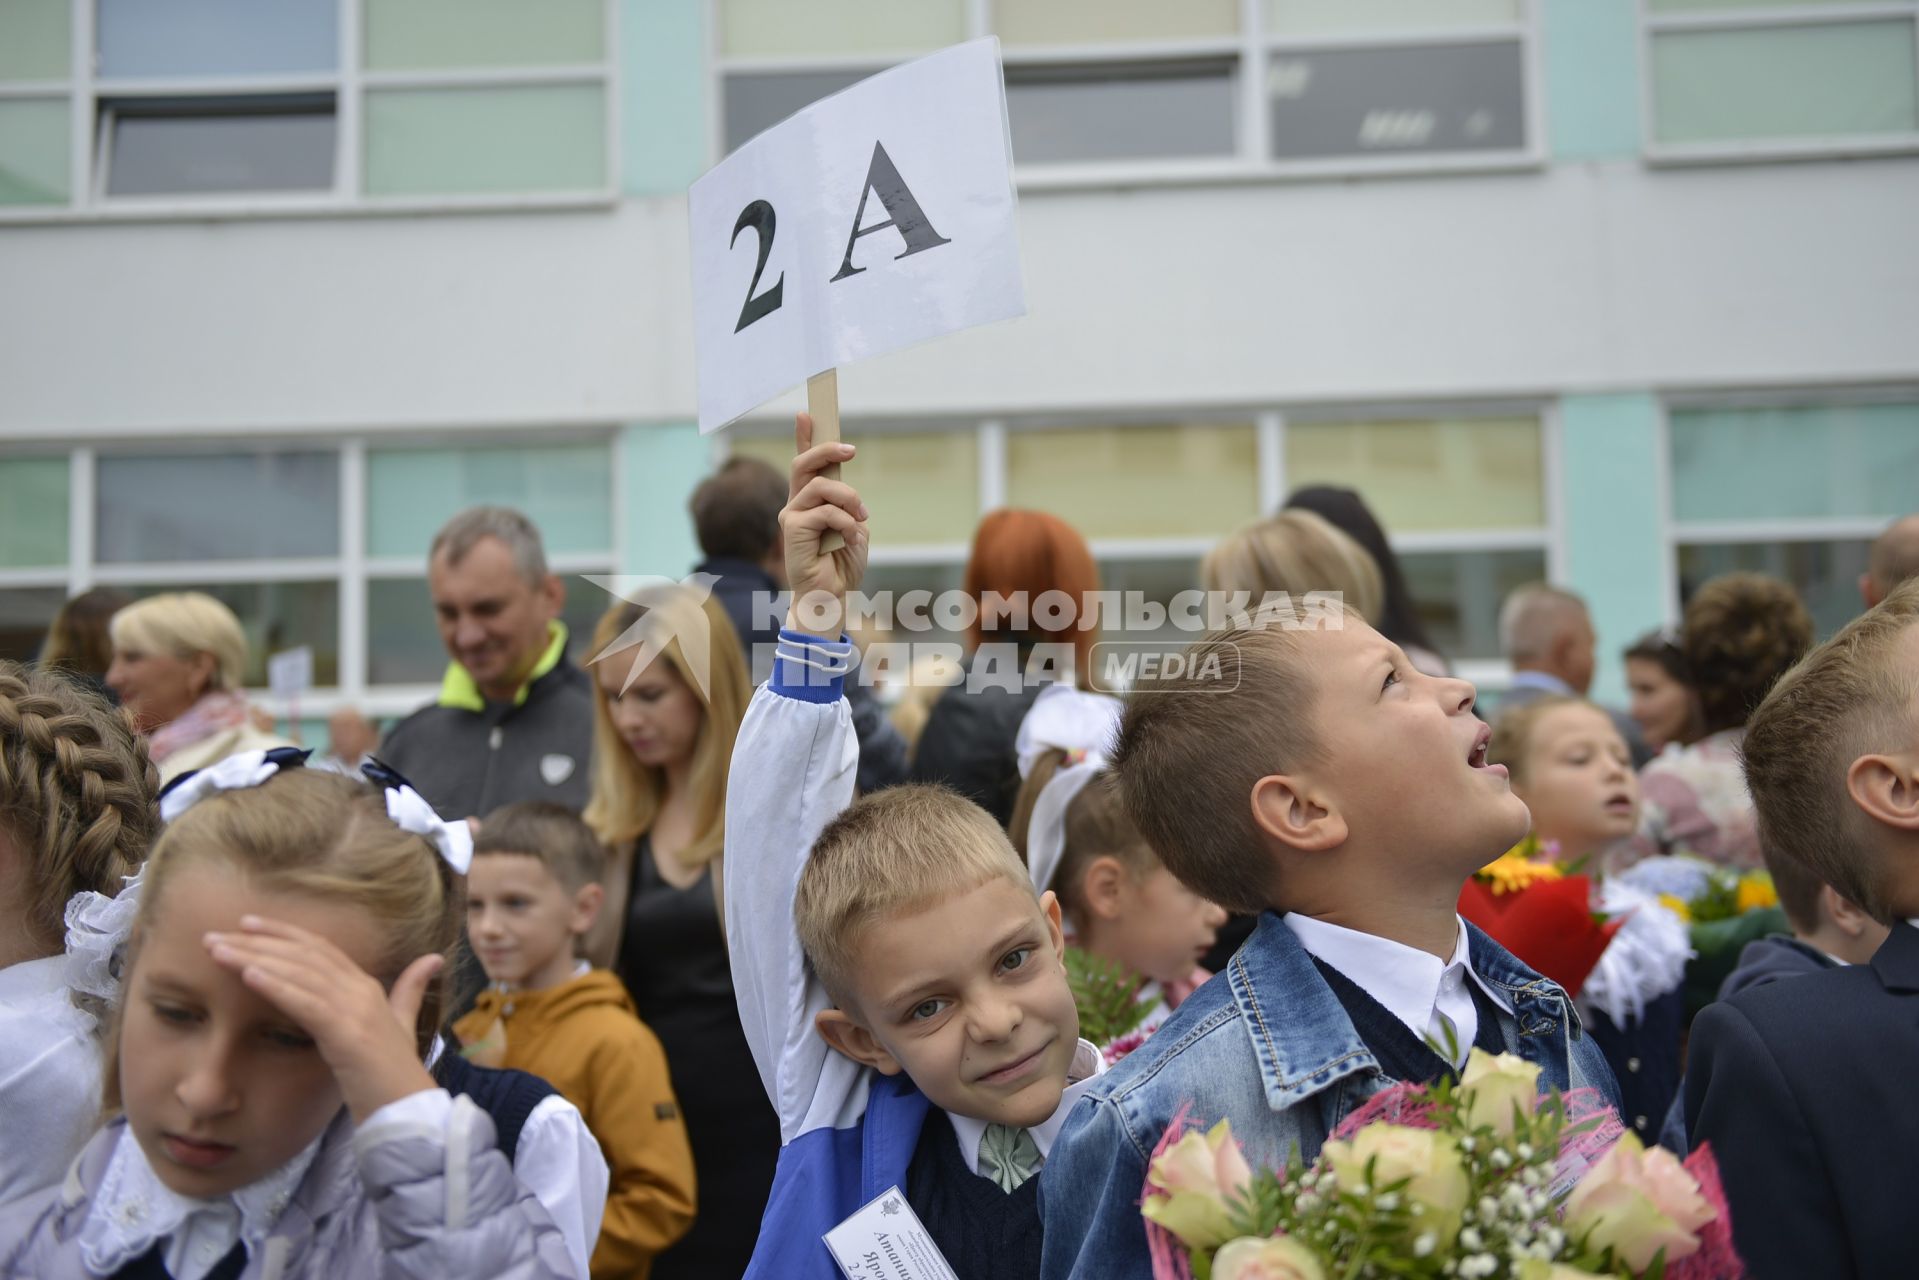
133 1210
1088 1064
1415 986
560 1162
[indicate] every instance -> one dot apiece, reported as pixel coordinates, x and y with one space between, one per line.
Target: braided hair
77 793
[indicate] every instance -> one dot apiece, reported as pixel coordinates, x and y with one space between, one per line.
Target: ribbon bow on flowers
1483 1180
1526 902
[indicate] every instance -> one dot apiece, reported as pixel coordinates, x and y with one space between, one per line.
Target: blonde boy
891 959
1319 778
532 894
1804 1088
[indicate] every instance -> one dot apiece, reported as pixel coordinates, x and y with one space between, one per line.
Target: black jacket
1765 960
468 763
968 744
1804 1090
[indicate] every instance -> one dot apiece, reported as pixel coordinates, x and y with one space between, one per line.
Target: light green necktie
1008 1156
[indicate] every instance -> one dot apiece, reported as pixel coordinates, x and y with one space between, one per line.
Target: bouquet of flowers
1483 1180
1535 908
1724 908
1113 1003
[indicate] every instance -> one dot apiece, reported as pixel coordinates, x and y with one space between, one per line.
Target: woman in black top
663 737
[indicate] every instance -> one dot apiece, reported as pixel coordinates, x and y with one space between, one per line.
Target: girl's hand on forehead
365 1033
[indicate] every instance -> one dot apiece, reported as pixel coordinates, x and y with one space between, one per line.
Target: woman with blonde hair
179 666
1295 552
670 689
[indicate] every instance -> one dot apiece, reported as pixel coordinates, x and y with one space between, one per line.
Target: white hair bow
410 812
235 773
1081 724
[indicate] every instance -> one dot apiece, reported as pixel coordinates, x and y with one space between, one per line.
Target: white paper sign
290 674
886 1241
874 219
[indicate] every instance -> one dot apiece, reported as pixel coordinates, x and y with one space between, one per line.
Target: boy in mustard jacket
531 897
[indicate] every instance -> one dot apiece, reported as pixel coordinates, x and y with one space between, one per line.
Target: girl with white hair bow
1120 902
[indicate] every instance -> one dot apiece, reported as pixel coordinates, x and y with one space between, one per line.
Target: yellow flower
1512 871
1496 1089
1438 1185
1756 891
1677 905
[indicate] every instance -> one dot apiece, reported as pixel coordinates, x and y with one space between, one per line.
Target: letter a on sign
789 277
903 212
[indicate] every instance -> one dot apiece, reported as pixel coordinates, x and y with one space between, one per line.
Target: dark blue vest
985 1233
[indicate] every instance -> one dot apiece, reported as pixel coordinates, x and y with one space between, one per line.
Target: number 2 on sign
759 216
903 214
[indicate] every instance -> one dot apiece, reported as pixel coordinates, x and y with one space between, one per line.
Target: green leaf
1107 996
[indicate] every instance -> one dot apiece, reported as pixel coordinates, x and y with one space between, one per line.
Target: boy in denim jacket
1319 778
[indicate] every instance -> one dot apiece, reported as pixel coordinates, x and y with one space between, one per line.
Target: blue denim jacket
1268 1046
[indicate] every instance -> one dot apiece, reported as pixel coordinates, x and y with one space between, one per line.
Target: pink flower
1638 1202
1276 1259
1197 1179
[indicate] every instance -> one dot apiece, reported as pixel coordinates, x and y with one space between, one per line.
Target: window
309 545
927 482
35 112
1194 481
1779 77
1096 88
33 512
233 104
1464 499
1816 484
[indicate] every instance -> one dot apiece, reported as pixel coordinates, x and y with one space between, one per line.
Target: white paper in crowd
885 1240
290 673
872 220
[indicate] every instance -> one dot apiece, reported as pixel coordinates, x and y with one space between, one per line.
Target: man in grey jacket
514 719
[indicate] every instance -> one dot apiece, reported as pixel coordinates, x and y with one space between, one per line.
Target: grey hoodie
397 1201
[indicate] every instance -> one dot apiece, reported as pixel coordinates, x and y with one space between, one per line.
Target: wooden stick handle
823 403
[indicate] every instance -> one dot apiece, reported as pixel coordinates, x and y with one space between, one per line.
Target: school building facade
1620 293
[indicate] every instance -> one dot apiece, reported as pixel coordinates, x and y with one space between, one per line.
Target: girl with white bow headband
277 970
1120 902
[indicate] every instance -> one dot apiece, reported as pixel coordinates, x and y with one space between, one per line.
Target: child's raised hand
815 504
365 1033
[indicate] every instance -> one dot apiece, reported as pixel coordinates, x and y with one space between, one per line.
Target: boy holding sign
891 961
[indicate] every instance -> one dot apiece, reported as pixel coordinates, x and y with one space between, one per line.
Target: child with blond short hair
899 978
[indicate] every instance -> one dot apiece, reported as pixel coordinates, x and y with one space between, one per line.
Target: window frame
1762 150
90 97
1270 425
350 570
1251 49
1675 533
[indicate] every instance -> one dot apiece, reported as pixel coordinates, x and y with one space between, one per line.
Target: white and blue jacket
847 1132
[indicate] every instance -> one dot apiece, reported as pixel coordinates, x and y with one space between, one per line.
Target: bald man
1548 635
1894 558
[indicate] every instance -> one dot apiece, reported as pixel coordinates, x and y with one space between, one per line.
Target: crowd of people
661 952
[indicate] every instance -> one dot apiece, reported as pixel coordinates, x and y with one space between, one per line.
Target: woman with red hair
1031 577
